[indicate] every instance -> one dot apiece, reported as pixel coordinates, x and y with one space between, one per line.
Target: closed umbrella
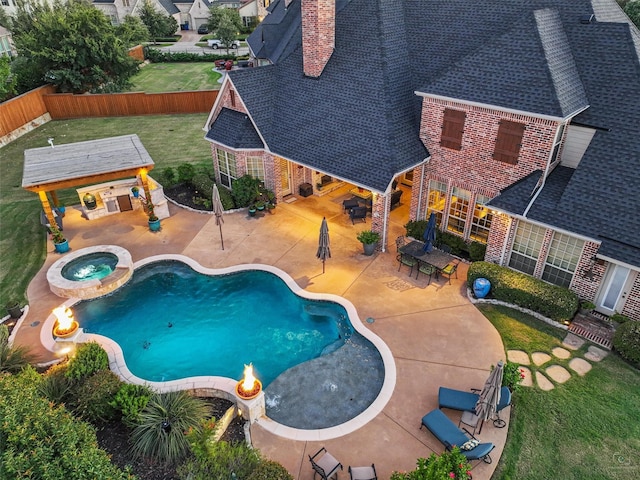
429 235
489 398
324 251
217 210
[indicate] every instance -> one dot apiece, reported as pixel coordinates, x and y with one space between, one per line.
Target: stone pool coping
226 386
87 289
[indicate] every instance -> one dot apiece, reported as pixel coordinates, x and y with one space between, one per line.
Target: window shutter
508 142
452 128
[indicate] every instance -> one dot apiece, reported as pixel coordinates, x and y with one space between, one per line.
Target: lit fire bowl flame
65 325
249 387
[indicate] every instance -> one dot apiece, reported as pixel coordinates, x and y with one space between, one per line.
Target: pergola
47 169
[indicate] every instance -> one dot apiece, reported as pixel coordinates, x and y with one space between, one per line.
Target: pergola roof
82 163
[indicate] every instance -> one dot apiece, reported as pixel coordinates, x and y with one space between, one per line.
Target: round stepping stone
580 366
527 381
539 358
595 354
543 382
572 341
558 373
518 356
559 352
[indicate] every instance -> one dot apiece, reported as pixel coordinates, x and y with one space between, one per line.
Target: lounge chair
326 466
449 435
466 401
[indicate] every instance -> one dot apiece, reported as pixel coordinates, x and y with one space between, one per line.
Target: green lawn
169 139
174 77
586 428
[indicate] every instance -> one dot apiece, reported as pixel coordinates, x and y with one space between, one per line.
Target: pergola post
145 186
46 206
54 198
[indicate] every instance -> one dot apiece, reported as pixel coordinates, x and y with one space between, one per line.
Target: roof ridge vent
587 18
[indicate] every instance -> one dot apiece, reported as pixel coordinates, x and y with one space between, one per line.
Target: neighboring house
6 43
189 14
253 11
518 123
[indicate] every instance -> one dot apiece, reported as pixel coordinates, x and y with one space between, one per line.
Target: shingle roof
169 6
235 130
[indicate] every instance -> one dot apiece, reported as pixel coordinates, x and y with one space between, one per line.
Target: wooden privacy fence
68 105
23 109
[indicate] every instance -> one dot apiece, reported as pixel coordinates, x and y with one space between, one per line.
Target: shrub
169 177
226 198
477 251
244 190
617 317
368 237
203 184
512 376
269 470
448 465
12 359
416 228
89 359
93 397
223 459
626 341
156 55
186 171
457 244
557 303
34 433
130 401
55 385
162 423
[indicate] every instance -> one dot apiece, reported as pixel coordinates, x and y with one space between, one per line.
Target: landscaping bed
184 194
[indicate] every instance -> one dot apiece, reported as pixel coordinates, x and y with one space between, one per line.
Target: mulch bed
114 439
184 195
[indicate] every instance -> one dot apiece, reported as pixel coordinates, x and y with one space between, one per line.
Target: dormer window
508 142
452 128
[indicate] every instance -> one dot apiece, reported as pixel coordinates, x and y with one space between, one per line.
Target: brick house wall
318 34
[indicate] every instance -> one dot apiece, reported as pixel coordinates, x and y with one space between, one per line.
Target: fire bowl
250 394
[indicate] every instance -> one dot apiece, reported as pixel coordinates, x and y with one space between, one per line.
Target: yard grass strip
176 77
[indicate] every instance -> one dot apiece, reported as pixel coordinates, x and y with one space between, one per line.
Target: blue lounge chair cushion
450 435
457 399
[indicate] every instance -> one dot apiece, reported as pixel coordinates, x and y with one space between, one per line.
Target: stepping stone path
562 353
518 356
573 342
595 354
540 358
543 382
558 374
580 366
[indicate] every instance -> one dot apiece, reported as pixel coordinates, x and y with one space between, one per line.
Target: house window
557 142
458 210
437 199
526 247
452 128
481 223
227 167
508 142
255 167
562 259
6 3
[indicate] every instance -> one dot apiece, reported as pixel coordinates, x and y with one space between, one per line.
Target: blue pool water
173 322
87 267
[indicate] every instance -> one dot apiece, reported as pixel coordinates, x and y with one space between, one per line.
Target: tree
132 31
71 45
5 20
159 25
7 78
218 15
632 9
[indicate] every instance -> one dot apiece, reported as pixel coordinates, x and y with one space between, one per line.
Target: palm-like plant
12 359
162 425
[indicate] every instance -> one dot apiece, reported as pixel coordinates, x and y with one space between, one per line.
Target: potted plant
154 221
369 240
136 191
60 243
252 210
13 309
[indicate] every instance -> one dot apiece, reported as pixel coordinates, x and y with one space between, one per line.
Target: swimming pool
173 322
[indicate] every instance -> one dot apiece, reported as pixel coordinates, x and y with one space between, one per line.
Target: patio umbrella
324 251
490 395
217 210
429 235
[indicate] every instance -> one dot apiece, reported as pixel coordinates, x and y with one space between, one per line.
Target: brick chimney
318 34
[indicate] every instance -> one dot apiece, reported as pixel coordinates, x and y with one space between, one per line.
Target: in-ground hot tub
90 272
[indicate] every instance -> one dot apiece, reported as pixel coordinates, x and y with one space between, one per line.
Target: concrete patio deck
436 335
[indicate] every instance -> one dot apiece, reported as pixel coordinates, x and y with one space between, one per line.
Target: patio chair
427 269
401 241
363 473
451 269
347 205
358 212
449 435
409 261
326 466
445 248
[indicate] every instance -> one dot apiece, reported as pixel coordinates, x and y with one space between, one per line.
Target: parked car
203 30
215 44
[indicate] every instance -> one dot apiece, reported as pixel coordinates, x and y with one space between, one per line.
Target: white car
215 44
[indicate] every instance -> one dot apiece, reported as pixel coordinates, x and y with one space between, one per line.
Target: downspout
384 223
420 191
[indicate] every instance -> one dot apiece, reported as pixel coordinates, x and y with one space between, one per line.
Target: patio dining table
435 257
